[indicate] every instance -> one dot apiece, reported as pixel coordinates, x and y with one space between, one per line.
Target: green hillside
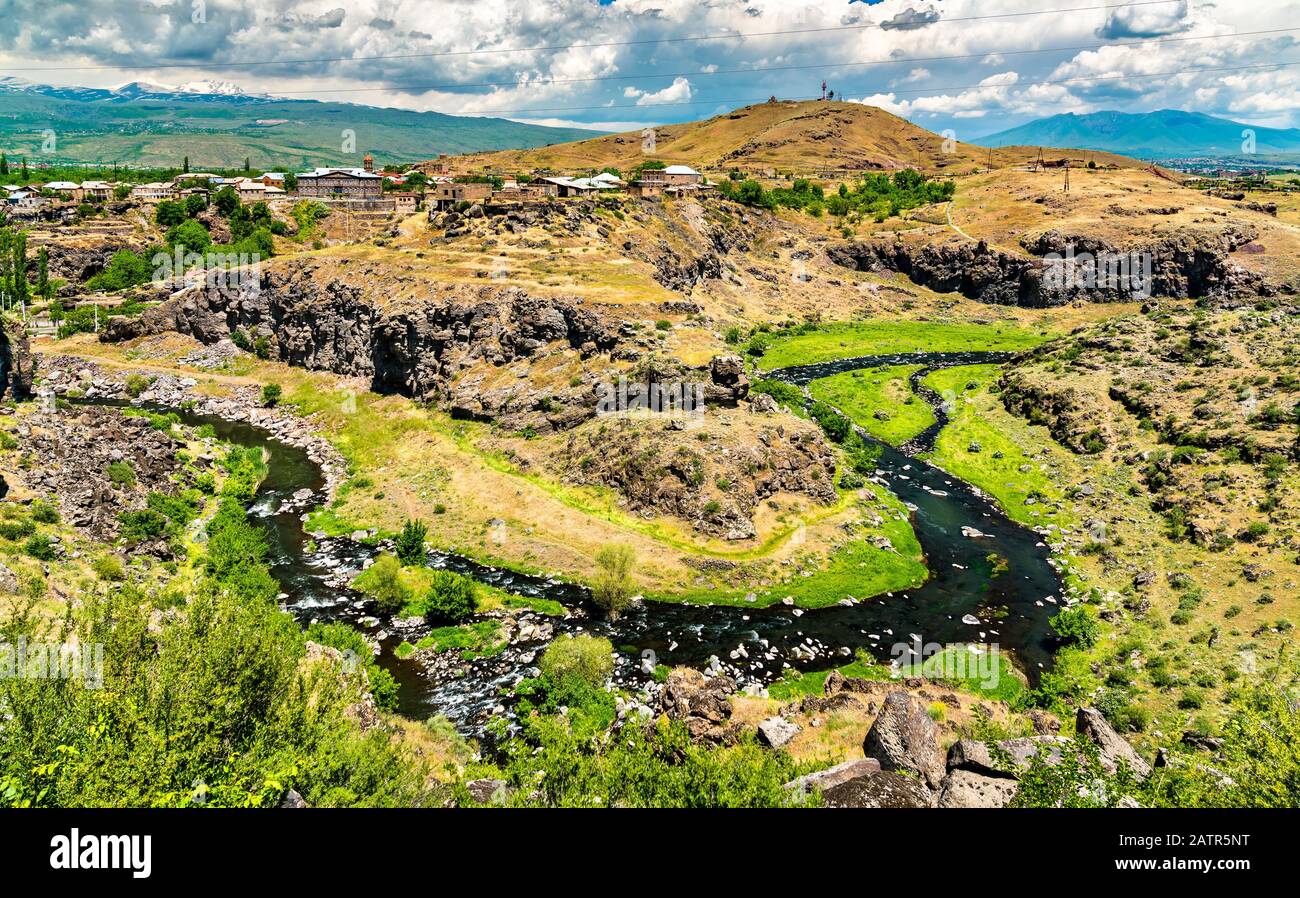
218 131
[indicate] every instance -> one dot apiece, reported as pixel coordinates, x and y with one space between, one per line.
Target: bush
121 474
409 544
1078 626
44 512
612 589
585 658
38 546
271 395
109 568
382 581
451 597
136 384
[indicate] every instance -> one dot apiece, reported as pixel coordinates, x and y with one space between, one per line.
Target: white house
68 189
96 190
153 192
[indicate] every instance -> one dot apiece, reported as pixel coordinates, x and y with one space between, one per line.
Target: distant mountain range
1164 134
218 124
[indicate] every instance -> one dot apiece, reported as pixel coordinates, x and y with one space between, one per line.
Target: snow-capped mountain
138 90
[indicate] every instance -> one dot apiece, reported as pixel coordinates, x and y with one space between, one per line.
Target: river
1011 607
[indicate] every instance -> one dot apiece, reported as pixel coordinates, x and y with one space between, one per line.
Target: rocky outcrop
76 449
17 364
1191 264
702 703
667 470
417 348
1113 748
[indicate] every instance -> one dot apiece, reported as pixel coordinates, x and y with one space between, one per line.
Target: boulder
968 789
880 790
8 579
977 757
293 800
1114 748
777 731
903 737
488 791
835 776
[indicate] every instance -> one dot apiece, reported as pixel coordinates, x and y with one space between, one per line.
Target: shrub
382 581
143 525
1077 625
38 546
121 474
409 545
44 512
271 395
136 384
586 658
612 588
109 568
451 597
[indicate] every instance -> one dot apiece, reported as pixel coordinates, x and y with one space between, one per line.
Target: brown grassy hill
784 136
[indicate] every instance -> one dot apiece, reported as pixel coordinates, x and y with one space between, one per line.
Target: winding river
965 599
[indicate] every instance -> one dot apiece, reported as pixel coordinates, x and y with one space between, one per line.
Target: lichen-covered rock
903 737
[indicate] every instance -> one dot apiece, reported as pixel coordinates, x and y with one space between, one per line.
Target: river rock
903 737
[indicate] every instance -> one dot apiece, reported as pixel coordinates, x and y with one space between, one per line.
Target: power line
924 90
784 68
745 35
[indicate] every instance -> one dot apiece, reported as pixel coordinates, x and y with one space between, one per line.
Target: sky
626 64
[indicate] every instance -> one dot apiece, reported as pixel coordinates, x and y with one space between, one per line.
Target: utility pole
1067 175
823 89
1038 163
988 167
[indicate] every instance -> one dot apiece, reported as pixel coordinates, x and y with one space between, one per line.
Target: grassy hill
783 136
220 131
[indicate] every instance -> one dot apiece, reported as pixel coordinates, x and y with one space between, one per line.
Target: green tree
613 586
226 201
383 582
1078 626
451 597
409 544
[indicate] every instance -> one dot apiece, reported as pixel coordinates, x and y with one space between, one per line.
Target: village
427 185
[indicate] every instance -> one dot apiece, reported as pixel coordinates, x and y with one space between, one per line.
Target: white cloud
677 92
305 41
